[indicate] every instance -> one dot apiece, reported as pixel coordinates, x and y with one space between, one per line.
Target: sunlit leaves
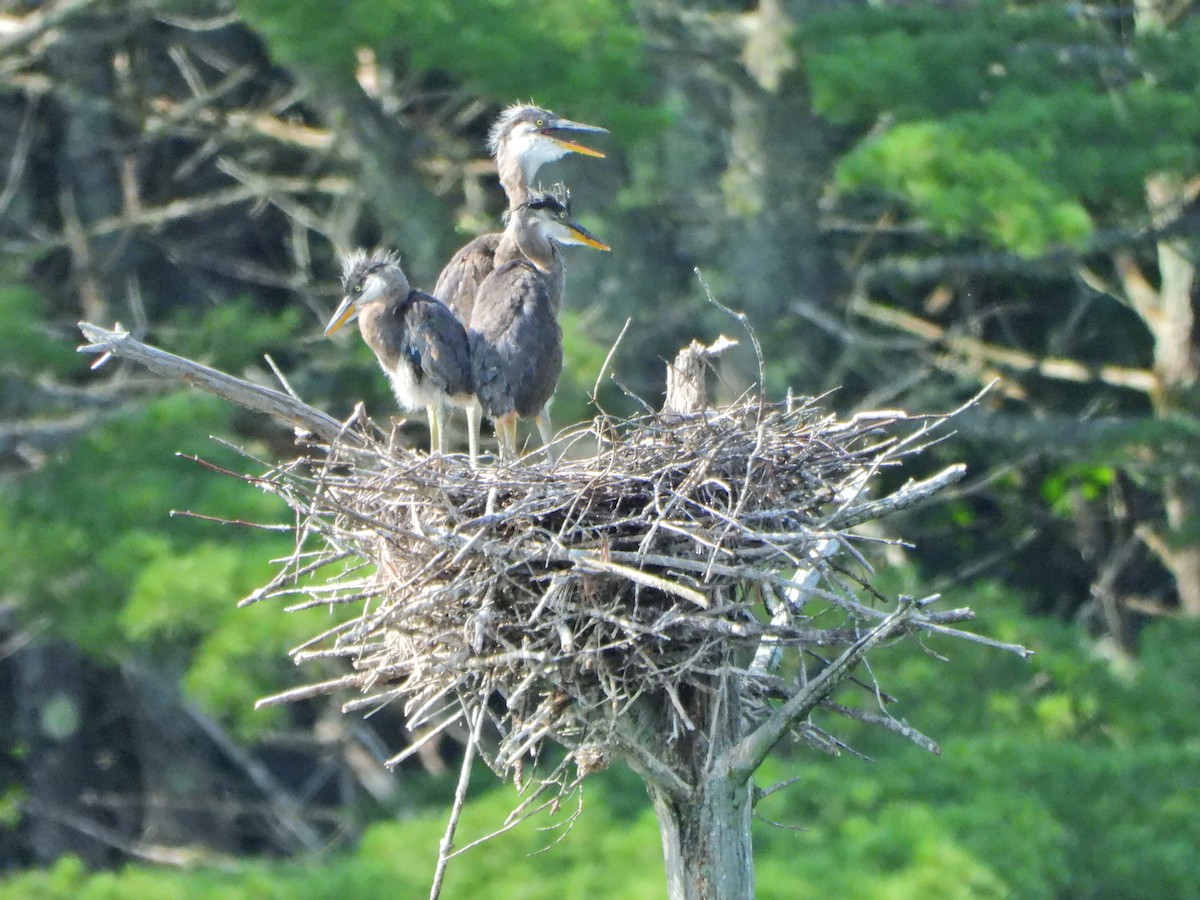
1057 778
964 191
1022 124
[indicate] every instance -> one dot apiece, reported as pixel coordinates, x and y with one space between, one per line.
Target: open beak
345 312
556 126
586 237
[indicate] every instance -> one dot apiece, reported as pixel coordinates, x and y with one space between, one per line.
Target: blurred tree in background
909 200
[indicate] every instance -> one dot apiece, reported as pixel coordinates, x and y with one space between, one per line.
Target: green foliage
11 809
583 357
1059 777
397 860
78 532
242 658
583 56
230 334
26 342
1087 482
907 61
1021 124
963 190
93 552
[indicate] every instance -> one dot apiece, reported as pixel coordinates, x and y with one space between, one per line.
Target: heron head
367 277
551 210
536 136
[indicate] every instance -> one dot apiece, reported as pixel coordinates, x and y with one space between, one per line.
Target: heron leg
435 429
474 421
443 414
506 434
546 430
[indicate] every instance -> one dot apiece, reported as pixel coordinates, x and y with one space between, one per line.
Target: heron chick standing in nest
522 140
418 341
516 341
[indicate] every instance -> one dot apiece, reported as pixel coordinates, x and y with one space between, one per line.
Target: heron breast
411 390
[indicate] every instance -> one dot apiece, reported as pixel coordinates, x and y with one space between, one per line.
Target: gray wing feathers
439 342
516 342
466 271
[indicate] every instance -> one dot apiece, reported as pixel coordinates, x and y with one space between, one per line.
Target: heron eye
562 215
358 288
541 122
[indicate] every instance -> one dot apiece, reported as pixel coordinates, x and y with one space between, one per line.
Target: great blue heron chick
516 342
420 344
523 139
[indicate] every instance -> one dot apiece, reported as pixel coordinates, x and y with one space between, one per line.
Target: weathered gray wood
750 752
243 393
707 847
687 391
706 841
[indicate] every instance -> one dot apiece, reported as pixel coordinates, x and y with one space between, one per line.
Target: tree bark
707 847
86 172
1173 327
1166 311
706 840
780 163
1168 314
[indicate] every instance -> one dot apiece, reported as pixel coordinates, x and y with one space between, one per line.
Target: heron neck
371 324
523 238
381 323
513 178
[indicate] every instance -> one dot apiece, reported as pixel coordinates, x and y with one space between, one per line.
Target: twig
604 365
909 495
460 797
747 755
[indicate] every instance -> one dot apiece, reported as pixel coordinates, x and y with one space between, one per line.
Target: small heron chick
420 344
516 342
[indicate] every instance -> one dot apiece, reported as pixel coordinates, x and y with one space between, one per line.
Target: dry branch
749 754
1007 358
119 342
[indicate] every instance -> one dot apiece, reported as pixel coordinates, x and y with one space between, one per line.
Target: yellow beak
587 238
345 312
577 148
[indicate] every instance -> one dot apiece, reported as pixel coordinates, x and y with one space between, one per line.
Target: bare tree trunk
705 831
87 176
1166 311
1183 508
1173 327
1168 314
706 841
780 163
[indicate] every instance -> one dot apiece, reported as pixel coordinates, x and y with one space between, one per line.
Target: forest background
908 200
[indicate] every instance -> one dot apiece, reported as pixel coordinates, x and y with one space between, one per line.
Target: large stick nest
553 598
